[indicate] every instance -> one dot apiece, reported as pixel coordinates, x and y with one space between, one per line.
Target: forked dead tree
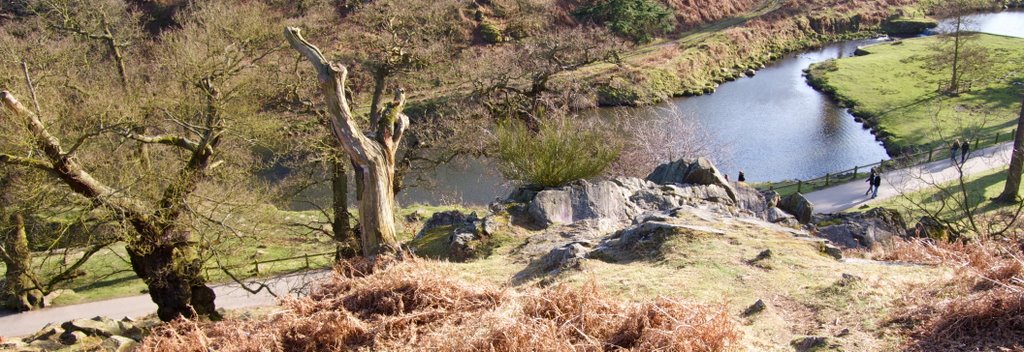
374 157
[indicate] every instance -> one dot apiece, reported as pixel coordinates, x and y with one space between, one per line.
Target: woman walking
953 149
870 181
877 181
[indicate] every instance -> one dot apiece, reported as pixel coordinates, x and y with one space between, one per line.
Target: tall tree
957 51
1013 175
374 157
20 291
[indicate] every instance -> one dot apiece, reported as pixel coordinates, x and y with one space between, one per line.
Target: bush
491 33
638 20
560 151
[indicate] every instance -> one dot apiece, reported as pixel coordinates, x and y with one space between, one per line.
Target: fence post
930 152
256 266
976 143
307 260
855 169
827 176
799 185
997 139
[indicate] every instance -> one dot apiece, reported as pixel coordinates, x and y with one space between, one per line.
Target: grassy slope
890 85
799 284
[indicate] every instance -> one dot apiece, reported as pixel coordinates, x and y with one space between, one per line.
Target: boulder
453 218
832 251
119 344
927 227
98 326
861 230
72 337
48 332
580 200
809 343
755 308
698 172
776 215
799 206
566 257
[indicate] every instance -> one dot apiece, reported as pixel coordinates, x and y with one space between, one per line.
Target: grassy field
892 90
281 234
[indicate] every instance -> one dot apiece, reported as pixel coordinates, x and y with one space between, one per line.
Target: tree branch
332 80
17 160
171 140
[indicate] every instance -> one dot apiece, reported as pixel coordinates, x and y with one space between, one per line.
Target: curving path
229 296
896 182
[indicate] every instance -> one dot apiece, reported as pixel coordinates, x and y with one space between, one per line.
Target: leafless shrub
663 135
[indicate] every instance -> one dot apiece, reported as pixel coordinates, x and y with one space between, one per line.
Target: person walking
875 182
870 181
964 149
953 149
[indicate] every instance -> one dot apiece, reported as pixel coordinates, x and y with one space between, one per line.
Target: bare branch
171 140
17 160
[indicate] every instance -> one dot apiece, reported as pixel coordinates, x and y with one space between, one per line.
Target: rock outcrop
799 206
98 334
861 230
460 232
697 172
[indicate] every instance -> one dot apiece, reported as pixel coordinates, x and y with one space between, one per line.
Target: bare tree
1013 175
374 156
957 50
663 136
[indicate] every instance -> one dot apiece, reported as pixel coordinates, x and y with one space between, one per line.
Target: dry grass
980 308
413 305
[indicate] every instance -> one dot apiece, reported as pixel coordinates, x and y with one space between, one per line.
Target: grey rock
98 326
755 308
119 344
698 172
861 230
776 215
832 251
578 201
809 343
567 257
799 206
72 337
47 332
492 226
457 219
771 198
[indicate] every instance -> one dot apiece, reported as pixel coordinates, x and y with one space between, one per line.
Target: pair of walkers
874 180
964 148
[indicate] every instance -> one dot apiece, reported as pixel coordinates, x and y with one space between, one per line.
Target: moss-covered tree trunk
20 291
172 270
1013 175
341 228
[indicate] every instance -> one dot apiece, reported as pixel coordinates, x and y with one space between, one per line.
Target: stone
755 308
72 337
771 198
47 332
927 227
809 343
580 200
750 72
567 257
799 206
119 344
831 251
776 215
98 326
453 218
698 172
765 254
861 230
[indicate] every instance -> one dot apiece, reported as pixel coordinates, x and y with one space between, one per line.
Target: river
774 126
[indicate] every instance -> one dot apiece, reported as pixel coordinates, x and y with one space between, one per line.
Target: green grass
891 87
108 273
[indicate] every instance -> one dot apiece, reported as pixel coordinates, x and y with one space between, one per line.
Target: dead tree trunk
162 253
341 226
21 291
1013 175
374 158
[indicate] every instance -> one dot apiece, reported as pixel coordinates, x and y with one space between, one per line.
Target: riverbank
892 92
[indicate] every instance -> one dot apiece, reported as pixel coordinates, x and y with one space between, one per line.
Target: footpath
903 181
229 296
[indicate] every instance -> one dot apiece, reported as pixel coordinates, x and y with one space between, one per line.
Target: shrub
491 33
638 20
560 151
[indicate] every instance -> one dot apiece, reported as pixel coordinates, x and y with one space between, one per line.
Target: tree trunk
172 272
1013 175
20 292
346 246
373 159
377 210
